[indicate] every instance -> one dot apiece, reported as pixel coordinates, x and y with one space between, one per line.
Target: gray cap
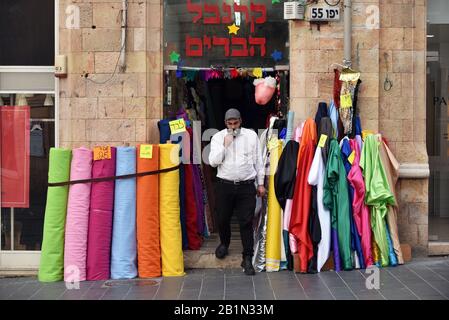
232 114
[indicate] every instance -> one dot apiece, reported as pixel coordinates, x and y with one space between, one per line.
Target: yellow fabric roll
274 225
170 224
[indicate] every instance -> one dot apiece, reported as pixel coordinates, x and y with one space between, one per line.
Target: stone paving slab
423 279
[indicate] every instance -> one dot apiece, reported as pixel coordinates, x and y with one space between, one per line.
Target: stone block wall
96 108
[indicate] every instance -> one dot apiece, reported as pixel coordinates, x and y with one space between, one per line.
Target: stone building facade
388 39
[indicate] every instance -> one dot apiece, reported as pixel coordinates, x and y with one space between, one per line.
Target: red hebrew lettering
258 8
222 42
212 8
195 8
257 42
227 9
241 52
207 41
191 42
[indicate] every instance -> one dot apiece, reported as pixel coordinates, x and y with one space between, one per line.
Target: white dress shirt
241 160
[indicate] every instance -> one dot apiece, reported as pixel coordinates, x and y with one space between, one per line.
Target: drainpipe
122 64
347 61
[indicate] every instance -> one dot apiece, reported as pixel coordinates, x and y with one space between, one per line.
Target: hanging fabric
378 195
299 223
360 211
391 165
336 199
346 154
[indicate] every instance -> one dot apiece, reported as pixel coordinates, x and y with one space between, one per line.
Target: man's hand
228 140
261 191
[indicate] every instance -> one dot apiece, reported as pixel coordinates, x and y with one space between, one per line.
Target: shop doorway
206 100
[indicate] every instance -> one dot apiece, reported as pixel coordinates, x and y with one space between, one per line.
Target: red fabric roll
299 222
194 240
100 220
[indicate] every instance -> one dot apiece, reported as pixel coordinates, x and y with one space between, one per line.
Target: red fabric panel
15 156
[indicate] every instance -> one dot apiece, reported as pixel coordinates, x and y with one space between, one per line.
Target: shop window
31 118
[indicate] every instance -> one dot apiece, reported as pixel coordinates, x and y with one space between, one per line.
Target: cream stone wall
396 46
96 109
126 108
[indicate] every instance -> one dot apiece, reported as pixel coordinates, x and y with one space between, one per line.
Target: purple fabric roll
100 220
198 199
337 262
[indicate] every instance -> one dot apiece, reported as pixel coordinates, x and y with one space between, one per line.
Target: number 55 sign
324 13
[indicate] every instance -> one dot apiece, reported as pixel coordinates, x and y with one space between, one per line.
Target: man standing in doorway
236 152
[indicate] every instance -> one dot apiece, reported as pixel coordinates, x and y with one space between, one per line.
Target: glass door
438 119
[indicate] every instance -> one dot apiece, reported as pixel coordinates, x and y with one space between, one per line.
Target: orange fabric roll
148 243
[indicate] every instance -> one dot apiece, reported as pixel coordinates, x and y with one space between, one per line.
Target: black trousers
241 200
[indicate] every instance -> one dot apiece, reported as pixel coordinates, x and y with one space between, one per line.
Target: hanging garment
322 112
260 239
260 236
360 210
289 202
274 222
391 166
285 176
391 254
349 92
193 235
299 222
346 152
326 129
316 178
336 199
378 195
333 114
75 245
358 132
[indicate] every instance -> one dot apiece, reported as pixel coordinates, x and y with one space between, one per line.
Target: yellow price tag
177 126
146 151
346 101
351 157
101 153
323 140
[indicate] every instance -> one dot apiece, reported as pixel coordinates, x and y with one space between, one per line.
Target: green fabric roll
52 255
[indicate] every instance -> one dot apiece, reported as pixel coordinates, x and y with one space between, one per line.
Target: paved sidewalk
422 279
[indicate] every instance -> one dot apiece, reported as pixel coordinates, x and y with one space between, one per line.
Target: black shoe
221 251
247 265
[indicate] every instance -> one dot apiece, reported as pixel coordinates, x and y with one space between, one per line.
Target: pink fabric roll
75 246
100 220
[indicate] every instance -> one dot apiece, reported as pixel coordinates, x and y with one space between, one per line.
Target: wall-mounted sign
225 33
327 13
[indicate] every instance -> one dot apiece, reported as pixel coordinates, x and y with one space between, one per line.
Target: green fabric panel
336 199
52 255
378 194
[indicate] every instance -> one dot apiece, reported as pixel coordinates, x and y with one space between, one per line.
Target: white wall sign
326 13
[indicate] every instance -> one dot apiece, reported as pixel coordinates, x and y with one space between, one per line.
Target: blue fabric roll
123 251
